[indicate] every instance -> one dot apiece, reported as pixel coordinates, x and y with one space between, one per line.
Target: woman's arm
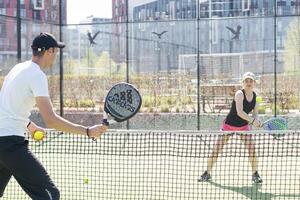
257 122
255 111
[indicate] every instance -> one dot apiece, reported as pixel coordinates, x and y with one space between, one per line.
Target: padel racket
275 123
122 102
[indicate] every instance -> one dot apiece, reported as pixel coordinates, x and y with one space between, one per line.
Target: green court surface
166 165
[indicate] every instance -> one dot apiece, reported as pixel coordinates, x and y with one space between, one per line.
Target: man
25 86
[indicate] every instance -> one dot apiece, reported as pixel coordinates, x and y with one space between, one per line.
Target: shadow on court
252 192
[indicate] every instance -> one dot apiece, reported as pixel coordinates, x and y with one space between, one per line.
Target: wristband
28 124
87 131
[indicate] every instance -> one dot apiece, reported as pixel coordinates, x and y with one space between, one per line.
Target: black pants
18 161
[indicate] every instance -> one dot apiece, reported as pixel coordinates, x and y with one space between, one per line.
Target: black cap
44 41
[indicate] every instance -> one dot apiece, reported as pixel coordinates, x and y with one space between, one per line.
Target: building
187 9
165 10
78 41
36 16
99 26
119 8
177 47
118 40
79 46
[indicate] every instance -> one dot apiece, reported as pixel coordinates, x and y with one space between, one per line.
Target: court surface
166 165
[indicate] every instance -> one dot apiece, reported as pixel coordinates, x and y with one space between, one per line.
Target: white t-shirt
23 83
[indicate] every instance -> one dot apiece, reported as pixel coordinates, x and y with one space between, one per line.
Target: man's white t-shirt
22 84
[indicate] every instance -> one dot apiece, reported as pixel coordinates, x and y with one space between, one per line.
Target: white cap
249 75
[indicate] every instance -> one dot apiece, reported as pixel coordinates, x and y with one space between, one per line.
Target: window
215 31
246 5
23 42
172 10
281 3
24 28
37 15
2 11
36 29
38 4
23 13
53 15
15 30
2 29
279 27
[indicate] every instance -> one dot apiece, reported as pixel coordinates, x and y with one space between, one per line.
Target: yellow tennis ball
86 180
259 99
38 135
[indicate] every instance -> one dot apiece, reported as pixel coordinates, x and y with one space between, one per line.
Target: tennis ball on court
259 99
85 180
38 135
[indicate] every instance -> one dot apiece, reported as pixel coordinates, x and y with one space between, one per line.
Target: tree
292 48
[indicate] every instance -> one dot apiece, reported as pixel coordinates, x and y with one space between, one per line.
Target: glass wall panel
229 48
288 68
94 60
166 79
157 50
8 44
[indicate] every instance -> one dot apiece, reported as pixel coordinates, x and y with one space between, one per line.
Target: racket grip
105 122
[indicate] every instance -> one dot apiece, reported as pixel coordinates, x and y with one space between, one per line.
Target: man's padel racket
122 102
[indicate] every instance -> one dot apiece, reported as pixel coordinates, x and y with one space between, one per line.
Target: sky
78 10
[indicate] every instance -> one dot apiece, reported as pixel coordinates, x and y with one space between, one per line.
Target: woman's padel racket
275 123
122 102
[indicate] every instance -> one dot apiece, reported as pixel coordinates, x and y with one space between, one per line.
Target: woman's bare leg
250 146
217 149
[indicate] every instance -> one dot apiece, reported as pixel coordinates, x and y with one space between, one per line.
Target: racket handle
105 122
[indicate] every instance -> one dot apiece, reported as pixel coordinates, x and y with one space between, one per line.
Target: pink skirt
226 127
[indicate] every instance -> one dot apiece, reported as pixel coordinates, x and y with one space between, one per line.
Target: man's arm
32 127
55 121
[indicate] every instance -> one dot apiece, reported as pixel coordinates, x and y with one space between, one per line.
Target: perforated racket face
276 123
122 101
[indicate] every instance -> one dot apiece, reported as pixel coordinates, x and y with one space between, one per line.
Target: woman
239 119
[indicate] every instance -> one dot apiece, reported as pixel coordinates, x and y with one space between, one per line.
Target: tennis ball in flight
85 180
38 135
259 99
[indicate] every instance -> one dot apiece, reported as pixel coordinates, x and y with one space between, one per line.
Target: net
166 165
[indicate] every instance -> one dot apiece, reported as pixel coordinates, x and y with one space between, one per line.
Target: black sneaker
256 178
205 177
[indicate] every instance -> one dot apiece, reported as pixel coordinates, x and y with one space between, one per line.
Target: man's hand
97 130
33 128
